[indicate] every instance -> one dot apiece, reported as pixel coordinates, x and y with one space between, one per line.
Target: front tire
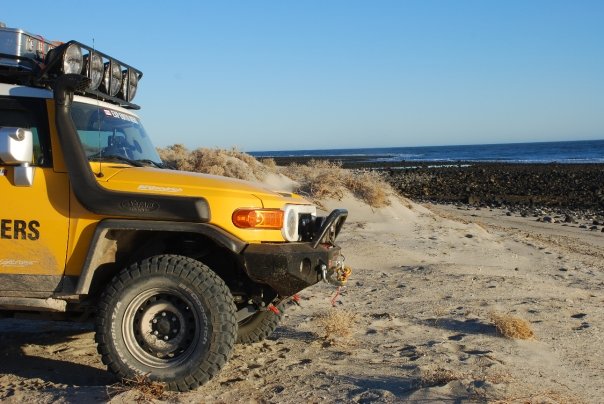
168 317
259 326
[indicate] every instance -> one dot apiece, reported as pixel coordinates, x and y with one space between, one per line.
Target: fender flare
216 234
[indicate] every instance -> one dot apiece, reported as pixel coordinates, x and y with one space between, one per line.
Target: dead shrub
318 180
323 179
145 389
270 163
337 325
229 163
176 156
512 327
369 187
439 377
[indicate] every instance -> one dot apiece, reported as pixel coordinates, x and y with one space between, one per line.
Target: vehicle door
34 218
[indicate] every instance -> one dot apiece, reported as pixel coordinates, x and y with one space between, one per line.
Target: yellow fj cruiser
174 267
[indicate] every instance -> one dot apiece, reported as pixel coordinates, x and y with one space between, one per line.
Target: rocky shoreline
575 186
572 194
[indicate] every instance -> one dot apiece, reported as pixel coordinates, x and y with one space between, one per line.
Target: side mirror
17 148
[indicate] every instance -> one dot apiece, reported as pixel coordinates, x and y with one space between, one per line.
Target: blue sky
316 74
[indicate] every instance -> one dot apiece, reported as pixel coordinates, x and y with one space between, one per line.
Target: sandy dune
426 280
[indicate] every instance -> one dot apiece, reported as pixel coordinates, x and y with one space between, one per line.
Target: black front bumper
290 267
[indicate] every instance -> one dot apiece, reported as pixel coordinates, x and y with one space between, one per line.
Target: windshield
106 133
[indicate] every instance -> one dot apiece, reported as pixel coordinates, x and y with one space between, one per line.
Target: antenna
98 114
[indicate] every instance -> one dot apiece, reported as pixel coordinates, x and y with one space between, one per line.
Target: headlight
72 59
290 228
94 70
291 223
129 84
112 79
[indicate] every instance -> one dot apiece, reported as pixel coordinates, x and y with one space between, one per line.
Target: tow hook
324 273
339 276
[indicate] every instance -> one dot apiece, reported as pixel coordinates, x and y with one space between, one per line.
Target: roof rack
31 60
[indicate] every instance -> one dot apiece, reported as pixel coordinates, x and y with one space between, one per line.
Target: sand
417 322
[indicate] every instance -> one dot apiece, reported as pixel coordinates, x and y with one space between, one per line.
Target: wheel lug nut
166 338
173 319
154 321
163 314
174 331
155 333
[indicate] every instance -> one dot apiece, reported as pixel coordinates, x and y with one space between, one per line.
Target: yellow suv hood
224 195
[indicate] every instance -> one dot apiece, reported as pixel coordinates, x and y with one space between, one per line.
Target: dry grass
337 325
512 327
145 390
229 163
270 164
497 378
439 377
321 179
318 180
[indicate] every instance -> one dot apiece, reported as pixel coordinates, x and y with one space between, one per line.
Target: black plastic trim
98 199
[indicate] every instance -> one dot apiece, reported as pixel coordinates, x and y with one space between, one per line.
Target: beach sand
416 322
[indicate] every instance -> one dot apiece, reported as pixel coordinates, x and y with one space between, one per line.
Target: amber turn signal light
258 218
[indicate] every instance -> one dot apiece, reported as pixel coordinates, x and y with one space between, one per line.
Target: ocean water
585 151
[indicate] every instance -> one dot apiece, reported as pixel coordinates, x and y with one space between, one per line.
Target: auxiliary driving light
93 69
112 79
72 59
129 84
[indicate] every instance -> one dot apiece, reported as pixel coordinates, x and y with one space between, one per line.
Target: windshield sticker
120 115
158 189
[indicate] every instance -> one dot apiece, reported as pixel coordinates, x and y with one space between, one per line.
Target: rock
501 184
569 219
593 228
548 219
473 200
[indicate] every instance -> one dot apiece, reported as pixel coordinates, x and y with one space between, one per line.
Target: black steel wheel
169 317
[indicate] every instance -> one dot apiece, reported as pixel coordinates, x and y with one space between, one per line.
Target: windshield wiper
148 161
113 157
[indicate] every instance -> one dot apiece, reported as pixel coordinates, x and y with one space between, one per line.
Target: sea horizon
569 151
